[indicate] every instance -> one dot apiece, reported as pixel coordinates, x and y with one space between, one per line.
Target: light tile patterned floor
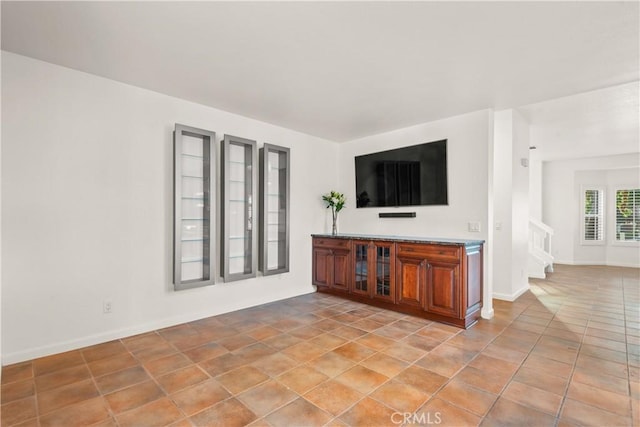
566 353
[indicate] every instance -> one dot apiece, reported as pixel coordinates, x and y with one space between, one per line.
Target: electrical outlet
498 225
107 306
474 226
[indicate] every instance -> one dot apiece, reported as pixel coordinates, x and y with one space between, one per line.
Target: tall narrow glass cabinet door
192 190
239 193
274 213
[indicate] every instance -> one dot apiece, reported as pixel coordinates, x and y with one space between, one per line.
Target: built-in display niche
193 248
274 209
239 197
254 208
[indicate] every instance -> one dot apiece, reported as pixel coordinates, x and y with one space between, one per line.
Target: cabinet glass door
192 248
274 194
239 192
384 282
361 264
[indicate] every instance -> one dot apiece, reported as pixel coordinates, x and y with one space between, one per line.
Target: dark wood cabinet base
434 279
468 321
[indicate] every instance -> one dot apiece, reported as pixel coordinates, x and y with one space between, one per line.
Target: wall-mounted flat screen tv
409 176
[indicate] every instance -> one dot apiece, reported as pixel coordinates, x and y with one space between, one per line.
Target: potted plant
336 202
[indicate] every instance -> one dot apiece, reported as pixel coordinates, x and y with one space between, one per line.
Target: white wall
562 181
511 205
467 172
468 176
0 210
535 185
86 212
520 206
502 203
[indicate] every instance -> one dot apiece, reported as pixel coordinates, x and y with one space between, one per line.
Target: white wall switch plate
474 226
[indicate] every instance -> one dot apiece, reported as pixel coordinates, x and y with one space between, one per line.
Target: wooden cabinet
433 279
412 281
331 264
443 293
430 277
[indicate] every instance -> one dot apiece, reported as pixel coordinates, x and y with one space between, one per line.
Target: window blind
628 215
593 218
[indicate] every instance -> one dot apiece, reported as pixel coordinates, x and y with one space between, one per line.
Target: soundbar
397 215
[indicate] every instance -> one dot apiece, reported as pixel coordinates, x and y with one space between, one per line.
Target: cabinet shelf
195 156
190 260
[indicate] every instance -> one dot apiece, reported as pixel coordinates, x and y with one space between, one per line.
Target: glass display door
274 194
239 193
193 250
374 273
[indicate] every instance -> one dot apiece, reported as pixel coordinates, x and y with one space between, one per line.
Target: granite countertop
409 239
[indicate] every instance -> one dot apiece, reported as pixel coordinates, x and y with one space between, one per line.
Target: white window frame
614 222
601 215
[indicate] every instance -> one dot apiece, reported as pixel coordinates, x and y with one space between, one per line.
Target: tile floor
566 353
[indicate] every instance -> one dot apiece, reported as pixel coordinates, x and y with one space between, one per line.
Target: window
627 215
592 216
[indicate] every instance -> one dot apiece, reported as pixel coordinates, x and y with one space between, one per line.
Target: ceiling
589 124
340 70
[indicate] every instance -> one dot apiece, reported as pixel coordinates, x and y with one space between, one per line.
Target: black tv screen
408 176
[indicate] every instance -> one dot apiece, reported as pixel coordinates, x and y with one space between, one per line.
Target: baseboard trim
511 297
74 344
487 314
599 264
